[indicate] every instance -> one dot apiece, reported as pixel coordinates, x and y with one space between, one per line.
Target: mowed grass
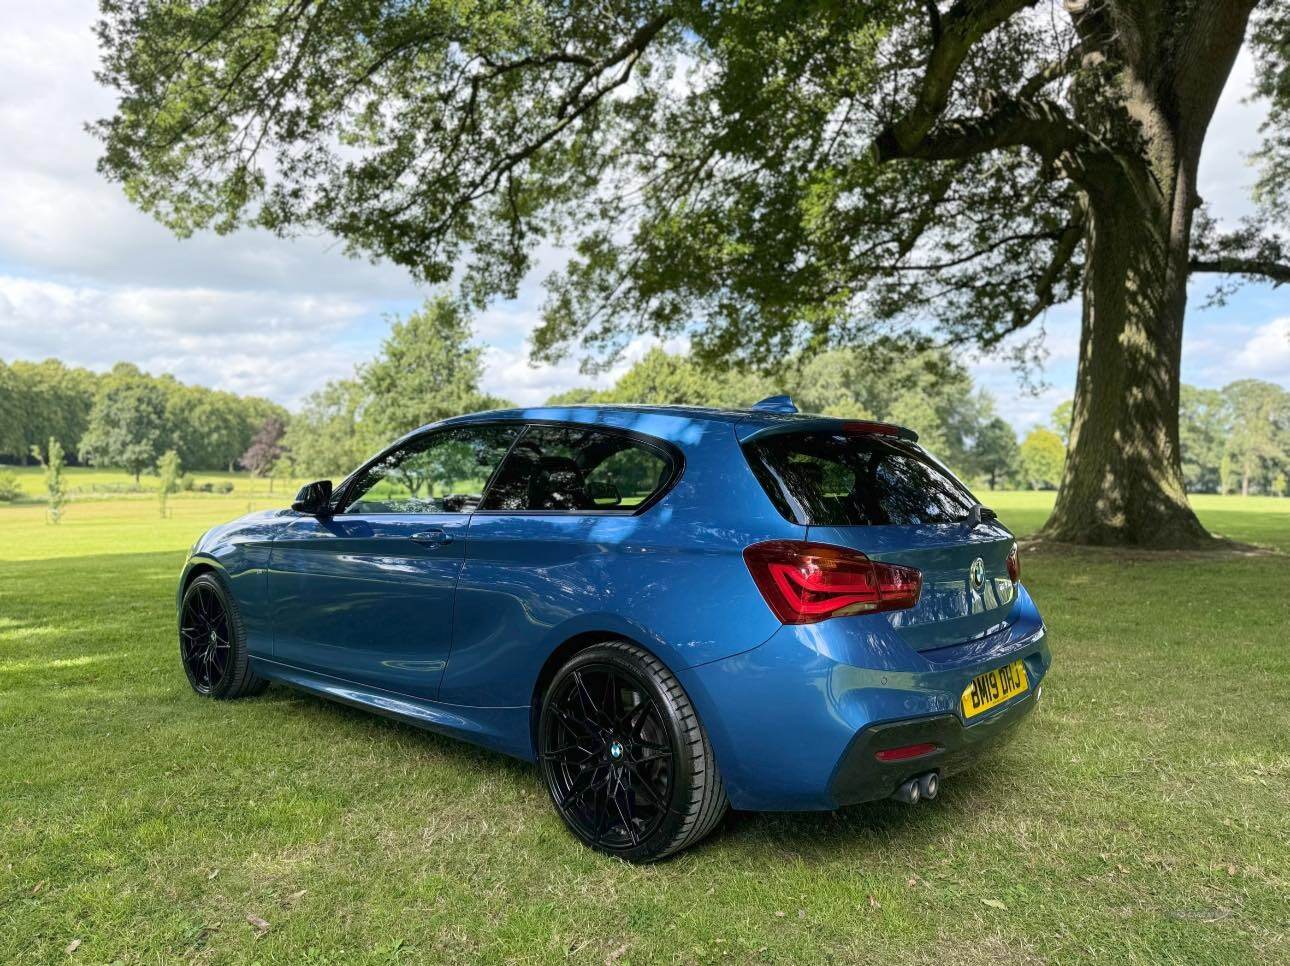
93 483
1141 815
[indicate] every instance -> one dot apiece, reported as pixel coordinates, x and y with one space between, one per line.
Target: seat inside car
558 484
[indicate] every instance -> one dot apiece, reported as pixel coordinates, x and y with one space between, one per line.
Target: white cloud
1267 354
266 344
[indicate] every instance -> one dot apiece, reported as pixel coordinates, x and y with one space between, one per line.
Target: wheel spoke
589 710
623 805
644 784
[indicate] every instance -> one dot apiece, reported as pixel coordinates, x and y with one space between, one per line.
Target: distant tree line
124 418
1235 439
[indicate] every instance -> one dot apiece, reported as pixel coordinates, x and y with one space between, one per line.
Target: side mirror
314 499
604 494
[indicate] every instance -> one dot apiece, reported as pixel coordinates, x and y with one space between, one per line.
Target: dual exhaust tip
919 788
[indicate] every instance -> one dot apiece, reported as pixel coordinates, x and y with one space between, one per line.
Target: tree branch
1276 272
953 36
1040 125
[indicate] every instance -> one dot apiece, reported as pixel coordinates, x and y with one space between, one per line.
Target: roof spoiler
825 424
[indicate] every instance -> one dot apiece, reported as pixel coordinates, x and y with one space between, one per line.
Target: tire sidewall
682 777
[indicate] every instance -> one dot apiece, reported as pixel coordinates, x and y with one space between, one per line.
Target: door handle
432 538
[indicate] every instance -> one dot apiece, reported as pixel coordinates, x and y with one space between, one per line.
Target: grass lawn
1142 815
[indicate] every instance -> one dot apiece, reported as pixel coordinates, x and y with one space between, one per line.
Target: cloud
1267 354
262 343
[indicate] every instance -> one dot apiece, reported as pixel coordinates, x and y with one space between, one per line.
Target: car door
366 594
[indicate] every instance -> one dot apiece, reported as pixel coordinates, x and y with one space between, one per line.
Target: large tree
761 176
128 426
428 369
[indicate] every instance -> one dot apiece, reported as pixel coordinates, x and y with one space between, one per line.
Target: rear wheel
625 758
212 642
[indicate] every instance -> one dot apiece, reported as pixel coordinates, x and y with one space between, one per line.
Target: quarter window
571 469
441 472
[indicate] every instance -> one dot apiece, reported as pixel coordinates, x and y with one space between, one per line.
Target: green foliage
43 399
427 370
995 454
10 488
1060 421
128 427
1042 457
1259 437
168 475
328 437
53 460
209 429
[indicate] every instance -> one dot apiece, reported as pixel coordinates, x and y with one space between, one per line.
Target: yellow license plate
994 687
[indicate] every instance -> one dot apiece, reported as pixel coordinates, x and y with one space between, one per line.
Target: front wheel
625 758
212 642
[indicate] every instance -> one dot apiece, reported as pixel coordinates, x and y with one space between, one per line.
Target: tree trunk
1123 481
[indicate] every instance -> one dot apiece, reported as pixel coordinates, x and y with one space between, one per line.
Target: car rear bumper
795 729
862 777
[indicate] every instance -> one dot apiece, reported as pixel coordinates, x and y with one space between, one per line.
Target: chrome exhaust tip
929 785
910 793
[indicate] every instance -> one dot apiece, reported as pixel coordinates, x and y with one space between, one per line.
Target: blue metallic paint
454 636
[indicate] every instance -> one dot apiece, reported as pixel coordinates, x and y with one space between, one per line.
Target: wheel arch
194 569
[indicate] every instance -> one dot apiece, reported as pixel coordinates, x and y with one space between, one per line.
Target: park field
1142 815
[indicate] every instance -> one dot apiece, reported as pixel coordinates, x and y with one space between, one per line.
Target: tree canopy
761 177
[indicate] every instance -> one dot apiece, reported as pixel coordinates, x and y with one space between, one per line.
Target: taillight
1014 564
808 582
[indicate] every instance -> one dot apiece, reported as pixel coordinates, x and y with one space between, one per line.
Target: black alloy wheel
205 642
212 642
624 756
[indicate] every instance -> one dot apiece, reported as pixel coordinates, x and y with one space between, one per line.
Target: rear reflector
808 582
907 751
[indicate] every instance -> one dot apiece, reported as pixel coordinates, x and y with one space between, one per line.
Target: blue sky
86 278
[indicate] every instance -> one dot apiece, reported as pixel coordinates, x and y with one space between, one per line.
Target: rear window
579 469
825 479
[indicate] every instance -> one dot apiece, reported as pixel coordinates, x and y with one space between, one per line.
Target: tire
212 643
626 760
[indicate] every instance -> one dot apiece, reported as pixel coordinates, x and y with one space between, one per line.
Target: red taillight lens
808 582
1014 564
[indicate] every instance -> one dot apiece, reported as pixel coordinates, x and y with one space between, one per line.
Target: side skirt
499 729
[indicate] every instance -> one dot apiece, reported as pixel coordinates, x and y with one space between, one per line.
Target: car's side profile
672 610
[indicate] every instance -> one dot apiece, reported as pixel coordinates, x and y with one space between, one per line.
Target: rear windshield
825 479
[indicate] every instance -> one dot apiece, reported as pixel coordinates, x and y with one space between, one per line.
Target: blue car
671 610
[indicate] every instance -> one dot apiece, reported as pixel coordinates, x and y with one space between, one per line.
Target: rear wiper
979 514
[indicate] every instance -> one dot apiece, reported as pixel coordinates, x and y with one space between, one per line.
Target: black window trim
668 452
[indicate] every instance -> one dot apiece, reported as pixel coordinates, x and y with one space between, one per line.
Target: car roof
749 422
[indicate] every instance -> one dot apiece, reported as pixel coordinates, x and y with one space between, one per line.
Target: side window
570 468
442 472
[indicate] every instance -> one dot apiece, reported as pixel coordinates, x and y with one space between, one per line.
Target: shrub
10 489
224 486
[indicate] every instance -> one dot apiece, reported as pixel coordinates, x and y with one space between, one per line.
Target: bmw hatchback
671 610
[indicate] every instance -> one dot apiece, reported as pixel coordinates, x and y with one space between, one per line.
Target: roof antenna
775 404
